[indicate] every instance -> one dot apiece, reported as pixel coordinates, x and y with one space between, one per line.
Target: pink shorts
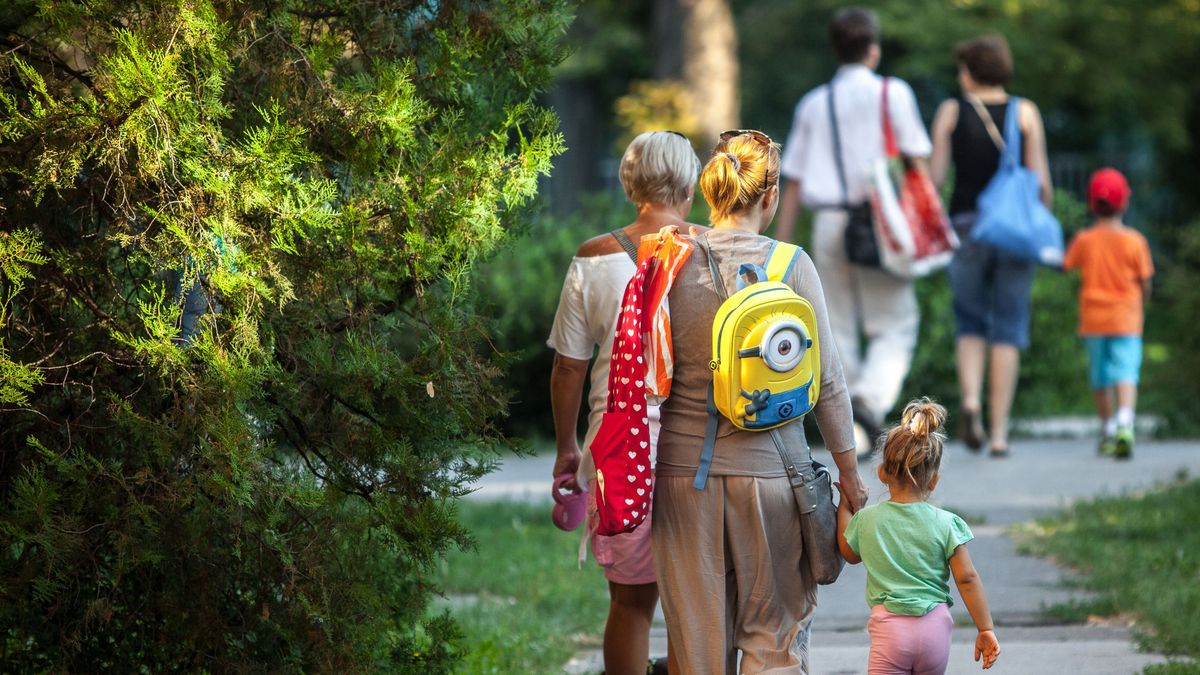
626 557
909 644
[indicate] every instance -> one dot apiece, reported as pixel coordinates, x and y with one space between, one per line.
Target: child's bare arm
844 515
970 587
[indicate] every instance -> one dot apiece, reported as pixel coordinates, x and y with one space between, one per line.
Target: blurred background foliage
1112 78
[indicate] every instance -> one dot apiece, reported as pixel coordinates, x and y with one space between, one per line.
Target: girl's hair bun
923 417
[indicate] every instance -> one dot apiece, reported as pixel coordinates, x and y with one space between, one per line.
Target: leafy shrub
520 287
1172 355
241 384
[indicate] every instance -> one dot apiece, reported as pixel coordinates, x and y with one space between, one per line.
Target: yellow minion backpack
766 356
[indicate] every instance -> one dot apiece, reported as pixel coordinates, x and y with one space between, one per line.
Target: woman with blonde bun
729 557
910 549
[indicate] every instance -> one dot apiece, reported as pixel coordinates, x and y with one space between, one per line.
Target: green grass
521 601
1141 555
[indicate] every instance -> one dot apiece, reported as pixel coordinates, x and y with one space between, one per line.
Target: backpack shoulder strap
710 442
626 243
780 260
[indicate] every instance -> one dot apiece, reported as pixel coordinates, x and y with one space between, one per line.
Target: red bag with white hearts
621 448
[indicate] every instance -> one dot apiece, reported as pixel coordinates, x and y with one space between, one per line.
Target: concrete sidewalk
1039 478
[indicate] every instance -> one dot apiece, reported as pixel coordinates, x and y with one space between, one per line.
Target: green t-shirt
906 548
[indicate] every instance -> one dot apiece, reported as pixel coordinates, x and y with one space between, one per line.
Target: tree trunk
696 42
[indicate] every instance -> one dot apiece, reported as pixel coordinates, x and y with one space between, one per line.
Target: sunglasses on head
756 135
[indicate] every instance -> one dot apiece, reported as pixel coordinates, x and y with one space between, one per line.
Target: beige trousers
865 305
729 575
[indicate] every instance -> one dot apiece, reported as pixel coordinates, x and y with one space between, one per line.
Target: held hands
987 647
851 502
854 492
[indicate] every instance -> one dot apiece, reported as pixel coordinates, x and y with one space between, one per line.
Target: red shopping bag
914 233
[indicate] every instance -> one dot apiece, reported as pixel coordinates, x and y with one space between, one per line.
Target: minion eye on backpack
766 358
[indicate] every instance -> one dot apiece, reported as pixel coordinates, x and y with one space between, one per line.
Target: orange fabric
670 252
1113 261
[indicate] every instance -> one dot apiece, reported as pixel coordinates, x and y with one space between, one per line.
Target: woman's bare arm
566 394
943 126
1035 148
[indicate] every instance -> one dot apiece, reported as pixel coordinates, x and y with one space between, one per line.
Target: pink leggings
916 645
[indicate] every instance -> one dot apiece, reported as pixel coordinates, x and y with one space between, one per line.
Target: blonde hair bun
737 174
923 417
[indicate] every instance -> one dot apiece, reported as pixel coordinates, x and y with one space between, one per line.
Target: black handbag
861 246
859 238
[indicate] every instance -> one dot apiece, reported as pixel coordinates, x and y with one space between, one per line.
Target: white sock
1110 427
1125 417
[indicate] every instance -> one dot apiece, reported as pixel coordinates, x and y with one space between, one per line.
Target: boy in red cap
1114 262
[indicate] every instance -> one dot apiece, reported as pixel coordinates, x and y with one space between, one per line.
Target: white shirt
587 315
808 154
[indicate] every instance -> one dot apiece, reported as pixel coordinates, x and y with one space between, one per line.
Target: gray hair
658 168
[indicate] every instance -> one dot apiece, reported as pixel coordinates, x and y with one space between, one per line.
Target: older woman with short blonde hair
658 172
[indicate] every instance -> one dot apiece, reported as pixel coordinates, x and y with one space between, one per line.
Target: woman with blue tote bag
999 179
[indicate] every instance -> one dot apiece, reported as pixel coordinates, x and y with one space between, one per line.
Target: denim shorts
991 290
1113 359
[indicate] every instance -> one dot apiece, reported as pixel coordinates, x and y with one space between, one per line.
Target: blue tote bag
1012 216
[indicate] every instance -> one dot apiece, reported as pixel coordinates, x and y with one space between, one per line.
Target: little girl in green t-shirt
910 549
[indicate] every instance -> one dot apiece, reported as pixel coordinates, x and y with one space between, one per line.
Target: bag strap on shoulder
626 243
710 427
988 122
837 148
781 260
890 149
1012 134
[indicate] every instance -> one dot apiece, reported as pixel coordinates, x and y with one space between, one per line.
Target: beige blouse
694 302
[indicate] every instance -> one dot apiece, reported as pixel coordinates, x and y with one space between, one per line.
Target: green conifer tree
241 384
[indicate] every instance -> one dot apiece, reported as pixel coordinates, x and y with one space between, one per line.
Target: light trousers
730 575
873 315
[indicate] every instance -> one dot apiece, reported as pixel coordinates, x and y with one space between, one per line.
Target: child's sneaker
1123 443
1107 447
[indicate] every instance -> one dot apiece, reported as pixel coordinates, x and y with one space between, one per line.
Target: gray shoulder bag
813 488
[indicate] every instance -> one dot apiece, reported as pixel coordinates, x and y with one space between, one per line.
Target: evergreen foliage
241 380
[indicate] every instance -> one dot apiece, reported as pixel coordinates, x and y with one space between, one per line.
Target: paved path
1040 478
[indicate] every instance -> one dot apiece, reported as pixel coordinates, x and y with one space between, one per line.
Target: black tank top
974 154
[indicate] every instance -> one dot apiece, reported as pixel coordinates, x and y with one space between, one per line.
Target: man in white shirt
866 304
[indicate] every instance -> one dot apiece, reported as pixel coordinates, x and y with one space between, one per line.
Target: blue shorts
1113 359
991 290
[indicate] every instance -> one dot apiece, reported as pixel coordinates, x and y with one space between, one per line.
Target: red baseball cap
1110 186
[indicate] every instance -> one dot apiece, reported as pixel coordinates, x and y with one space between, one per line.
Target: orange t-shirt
1113 261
